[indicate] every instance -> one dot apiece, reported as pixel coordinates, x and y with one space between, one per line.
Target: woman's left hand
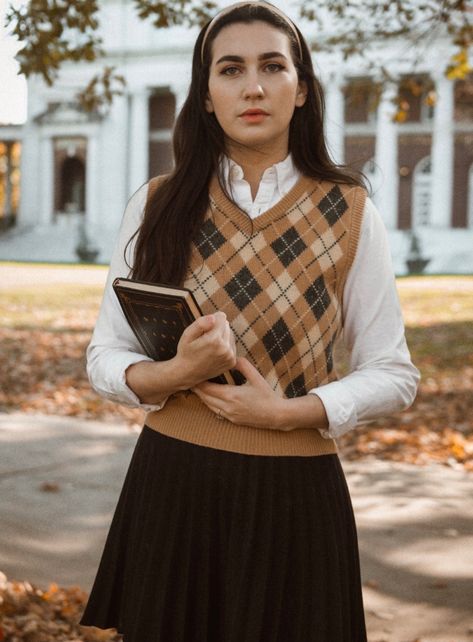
252 404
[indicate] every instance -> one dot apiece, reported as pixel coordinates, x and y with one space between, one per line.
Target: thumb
199 327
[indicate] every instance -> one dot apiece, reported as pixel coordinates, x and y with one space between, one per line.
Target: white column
335 117
386 158
181 92
442 154
139 140
28 214
46 181
114 156
92 181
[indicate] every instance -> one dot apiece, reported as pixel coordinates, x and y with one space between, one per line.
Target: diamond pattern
329 356
288 246
243 288
317 297
333 205
278 341
296 388
276 283
209 239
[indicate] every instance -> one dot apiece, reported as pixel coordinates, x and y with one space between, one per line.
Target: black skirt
214 546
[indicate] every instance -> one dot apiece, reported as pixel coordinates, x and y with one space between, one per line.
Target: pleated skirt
207 545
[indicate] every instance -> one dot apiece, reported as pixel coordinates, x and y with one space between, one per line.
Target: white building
65 169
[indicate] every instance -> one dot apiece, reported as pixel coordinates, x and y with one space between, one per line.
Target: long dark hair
176 210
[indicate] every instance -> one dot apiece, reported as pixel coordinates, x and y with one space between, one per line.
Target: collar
282 172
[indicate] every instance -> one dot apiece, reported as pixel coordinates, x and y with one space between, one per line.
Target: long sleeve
114 347
382 377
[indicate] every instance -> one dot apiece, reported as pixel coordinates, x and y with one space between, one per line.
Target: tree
56 31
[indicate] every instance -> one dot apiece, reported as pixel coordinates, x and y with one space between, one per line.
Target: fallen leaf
50 487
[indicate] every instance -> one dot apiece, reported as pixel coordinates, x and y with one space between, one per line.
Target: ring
219 415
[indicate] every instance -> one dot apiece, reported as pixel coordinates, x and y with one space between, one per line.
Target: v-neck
247 223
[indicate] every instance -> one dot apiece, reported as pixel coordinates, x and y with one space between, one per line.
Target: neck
254 162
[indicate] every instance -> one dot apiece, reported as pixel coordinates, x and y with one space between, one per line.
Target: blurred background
93 119
89 93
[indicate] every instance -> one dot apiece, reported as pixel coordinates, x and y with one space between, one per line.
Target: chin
256 141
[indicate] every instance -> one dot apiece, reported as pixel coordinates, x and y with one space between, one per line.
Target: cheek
220 100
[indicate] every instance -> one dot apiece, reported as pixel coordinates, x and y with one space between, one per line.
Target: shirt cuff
119 390
340 408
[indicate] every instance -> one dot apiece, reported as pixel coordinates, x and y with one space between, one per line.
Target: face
253 86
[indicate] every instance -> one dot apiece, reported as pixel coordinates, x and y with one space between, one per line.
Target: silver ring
219 415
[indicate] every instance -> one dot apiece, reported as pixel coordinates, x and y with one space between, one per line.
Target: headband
263 3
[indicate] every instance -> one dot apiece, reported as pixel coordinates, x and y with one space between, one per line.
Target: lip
255 112
254 115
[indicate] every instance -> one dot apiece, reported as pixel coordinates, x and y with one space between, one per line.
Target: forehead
248 39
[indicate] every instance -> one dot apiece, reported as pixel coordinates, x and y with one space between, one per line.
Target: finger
203 397
227 334
214 390
248 370
220 318
215 405
199 327
221 324
233 341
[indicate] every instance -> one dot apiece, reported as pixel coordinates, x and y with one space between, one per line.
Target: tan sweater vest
279 278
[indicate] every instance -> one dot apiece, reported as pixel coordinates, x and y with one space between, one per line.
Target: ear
209 104
301 95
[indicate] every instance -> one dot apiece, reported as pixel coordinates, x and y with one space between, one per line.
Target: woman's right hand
206 349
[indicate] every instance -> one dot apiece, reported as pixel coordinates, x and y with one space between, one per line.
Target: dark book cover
158 315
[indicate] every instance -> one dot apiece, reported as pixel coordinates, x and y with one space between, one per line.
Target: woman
235 523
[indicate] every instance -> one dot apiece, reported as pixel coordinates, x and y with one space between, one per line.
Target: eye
273 67
229 71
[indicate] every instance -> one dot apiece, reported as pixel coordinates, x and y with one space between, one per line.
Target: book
158 314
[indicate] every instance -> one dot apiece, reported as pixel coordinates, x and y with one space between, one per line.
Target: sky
12 85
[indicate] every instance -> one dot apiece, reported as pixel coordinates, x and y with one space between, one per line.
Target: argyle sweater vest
279 278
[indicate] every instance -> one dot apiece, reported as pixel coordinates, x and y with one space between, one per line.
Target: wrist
179 374
283 419
301 412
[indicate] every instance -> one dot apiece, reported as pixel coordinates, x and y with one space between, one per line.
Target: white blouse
382 378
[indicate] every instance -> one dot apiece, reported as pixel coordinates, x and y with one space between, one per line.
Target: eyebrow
263 56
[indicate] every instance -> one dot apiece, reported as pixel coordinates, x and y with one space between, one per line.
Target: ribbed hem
185 417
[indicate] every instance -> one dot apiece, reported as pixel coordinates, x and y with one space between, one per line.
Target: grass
49 306
432 300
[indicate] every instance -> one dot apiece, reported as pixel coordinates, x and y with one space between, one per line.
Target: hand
206 348
253 404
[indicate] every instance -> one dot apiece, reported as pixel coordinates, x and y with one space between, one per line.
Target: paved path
60 479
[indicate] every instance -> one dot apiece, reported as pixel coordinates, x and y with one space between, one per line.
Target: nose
253 86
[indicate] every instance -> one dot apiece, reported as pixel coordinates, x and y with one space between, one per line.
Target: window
421 193
10 152
417 98
162 113
361 100
70 154
464 99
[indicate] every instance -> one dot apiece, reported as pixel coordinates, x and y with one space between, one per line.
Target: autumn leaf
30 614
